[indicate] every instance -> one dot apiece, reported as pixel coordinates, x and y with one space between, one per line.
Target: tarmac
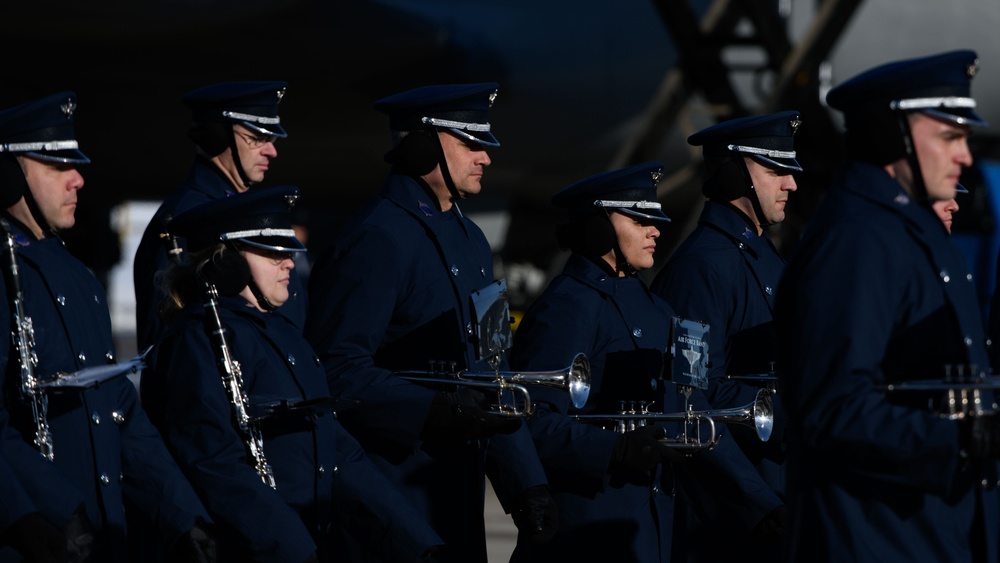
501 535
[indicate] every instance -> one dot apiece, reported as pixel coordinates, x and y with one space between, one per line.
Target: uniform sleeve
555 329
28 482
834 349
354 293
153 481
700 289
198 429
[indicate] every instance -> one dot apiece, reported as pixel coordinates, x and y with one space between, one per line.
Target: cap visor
270 129
278 244
789 164
481 137
652 214
68 156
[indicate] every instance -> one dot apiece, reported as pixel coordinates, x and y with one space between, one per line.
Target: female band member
615 492
241 400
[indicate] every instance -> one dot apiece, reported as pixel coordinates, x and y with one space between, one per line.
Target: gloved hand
640 450
194 546
535 514
772 525
980 436
80 536
37 540
458 417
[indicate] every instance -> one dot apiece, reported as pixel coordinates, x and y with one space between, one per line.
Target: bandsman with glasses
235 126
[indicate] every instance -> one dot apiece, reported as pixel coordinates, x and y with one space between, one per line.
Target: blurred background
585 86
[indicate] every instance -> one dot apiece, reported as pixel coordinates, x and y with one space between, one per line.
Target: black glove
37 540
640 450
980 436
459 417
80 536
772 525
193 546
535 514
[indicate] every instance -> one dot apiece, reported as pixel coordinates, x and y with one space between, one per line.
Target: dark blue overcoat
725 275
318 467
105 447
204 183
624 330
877 293
393 293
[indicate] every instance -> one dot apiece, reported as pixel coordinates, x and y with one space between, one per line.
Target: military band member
616 492
104 450
725 273
393 293
877 293
235 127
308 476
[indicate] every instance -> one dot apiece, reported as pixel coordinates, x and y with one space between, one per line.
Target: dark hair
591 235
726 177
181 283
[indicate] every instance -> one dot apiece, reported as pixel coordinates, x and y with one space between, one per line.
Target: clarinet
232 380
23 337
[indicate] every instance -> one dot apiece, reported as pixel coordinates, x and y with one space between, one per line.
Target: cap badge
290 199
68 108
493 96
281 94
972 69
656 177
794 124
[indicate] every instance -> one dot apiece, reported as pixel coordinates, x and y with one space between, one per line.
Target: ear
729 182
416 154
228 270
213 137
594 235
13 184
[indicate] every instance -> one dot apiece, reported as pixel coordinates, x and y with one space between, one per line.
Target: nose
269 150
964 156
790 184
654 232
76 180
484 158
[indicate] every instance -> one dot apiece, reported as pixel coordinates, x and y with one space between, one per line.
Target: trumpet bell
763 415
579 380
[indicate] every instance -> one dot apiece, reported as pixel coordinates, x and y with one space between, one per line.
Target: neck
22 214
744 206
224 162
434 184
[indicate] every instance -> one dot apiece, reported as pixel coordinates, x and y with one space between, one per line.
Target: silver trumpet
574 379
698 431
960 393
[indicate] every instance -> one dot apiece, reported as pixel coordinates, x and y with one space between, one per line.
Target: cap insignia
68 108
493 96
290 199
972 69
794 124
656 177
281 94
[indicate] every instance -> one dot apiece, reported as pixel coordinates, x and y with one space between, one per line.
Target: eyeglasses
256 141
